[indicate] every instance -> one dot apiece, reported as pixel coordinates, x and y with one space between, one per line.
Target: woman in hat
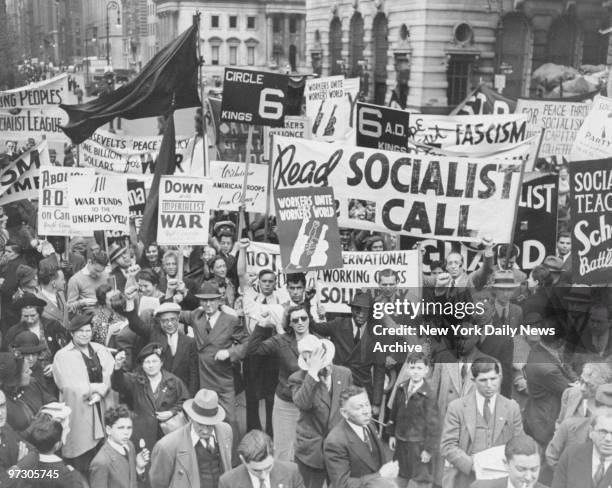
155 395
82 372
217 268
296 325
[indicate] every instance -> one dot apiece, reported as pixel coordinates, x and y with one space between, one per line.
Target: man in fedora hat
316 392
120 261
197 454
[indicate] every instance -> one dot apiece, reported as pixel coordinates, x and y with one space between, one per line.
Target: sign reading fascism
461 199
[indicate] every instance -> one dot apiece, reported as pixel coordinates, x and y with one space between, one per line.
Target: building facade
427 54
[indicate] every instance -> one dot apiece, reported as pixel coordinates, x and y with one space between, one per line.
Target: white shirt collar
51 297
212 320
256 483
357 428
195 438
117 447
595 462
50 458
480 400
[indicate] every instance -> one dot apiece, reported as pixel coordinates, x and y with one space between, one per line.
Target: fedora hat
208 290
27 342
311 343
504 279
553 264
204 408
360 299
115 251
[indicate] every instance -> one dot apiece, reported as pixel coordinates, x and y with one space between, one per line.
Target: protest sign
53 201
483 101
184 204
98 203
228 180
360 270
295 126
307 229
330 104
40 94
21 179
382 127
137 201
262 255
591 220
594 138
461 199
560 119
23 123
254 97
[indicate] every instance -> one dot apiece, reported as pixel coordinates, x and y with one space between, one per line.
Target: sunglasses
296 320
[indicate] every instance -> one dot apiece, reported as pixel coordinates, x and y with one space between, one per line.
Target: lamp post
93 39
110 5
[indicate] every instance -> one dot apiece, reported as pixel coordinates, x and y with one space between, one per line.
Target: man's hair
484 365
415 357
44 433
225 234
521 445
99 257
388 273
148 275
101 291
601 412
265 272
542 275
170 254
599 371
350 392
255 446
296 278
563 234
112 415
46 272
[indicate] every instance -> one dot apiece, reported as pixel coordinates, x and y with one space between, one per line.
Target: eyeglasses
296 320
603 432
173 320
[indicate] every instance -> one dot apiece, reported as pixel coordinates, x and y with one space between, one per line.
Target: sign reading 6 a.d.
254 97
382 127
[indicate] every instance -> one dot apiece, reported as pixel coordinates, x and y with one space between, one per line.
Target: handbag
173 423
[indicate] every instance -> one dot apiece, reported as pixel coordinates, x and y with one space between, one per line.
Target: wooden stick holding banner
202 88
180 263
269 190
241 217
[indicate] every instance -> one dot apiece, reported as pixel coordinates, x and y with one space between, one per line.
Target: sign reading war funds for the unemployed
591 210
184 203
308 229
254 97
98 203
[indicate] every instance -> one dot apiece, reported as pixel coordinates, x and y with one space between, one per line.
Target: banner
561 121
254 97
594 139
360 270
307 229
461 199
484 101
330 104
53 202
295 126
591 220
21 179
23 123
38 95
184 204
382 127
98 203
228 179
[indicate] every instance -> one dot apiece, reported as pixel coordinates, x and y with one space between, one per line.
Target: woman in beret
155 395
82 372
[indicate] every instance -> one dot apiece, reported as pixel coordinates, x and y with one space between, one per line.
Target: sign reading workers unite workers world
254 97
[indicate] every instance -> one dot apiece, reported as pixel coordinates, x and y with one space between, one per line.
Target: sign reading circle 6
271 103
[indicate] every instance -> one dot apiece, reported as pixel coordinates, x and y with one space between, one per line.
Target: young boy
413 426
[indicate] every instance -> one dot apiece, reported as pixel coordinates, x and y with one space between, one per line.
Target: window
292 25
276 24
215 55
214 21
233 55
251 55
458 77
233 22
250 22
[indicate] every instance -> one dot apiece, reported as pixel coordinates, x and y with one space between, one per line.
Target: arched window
380 47
564 42
356 42
515 49
335 46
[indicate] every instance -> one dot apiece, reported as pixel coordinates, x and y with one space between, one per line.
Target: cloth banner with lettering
24 123
461 199
591 221
594 139
20 180
307 229
330 104
100 203
228 179
183 214
40 94
53 202
561 121
483 101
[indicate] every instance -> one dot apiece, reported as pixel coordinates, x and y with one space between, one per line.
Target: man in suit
259 469
522 458
197 454
354 344
588 464
316 392
353 452
477 422
120 261
52 283
116 465
220 341
179 353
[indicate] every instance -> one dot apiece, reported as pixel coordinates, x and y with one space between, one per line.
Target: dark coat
498 483
283 474
575 468
120 279
319 412
7 289
172 392
55 335
109 469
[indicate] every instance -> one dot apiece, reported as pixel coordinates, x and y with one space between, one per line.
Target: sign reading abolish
308 229
184 203
254 97
20 181
461 199
360 270
98 203
382 127
228 179
53 203
594 139
591 225
561 121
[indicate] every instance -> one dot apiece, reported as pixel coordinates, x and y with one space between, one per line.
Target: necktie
211 445
452 285
172 343
357 336
264 302
486 410
125 454
599 474
504 317
464 370
262 483
366 438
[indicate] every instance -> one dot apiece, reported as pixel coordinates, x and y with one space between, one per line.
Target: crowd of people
127 365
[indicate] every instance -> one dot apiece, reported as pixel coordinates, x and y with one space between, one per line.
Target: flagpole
244 182
269 190
200 75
